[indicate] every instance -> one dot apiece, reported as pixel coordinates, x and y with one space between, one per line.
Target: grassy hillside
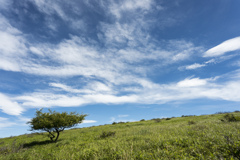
193 137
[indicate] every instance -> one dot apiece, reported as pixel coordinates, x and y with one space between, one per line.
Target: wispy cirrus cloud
89 121
51 7
226 46
121 118
123 115
12 46
147 93
4 122
4 4
119 8
192 82
9 106
195 66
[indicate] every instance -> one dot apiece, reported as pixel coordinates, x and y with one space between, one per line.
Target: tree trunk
57 135
51 135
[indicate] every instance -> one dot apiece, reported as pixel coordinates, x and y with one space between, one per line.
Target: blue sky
117 60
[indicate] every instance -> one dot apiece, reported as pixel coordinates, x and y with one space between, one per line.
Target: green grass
195 137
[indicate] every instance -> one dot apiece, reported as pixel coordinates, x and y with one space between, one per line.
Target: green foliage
54 122
191 122
188 115
230 118
121 122
156 120
142 120
107 134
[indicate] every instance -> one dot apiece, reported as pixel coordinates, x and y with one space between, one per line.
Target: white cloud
192 82
9 107
12 41
7 122
192 66
43 99
3 119
50 7
4 4
237 63
195 66
89 121
66 88
91 88
36 51
50 100
224 47
147 93
4 122
23 119
129 5
111 99
12 46
120 119
7 65
85 58
124 115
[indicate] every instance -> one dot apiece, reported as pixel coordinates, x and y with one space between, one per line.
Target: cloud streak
4 122
147 93
10 107
226 46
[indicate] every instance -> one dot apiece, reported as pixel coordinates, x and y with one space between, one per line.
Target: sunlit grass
195 137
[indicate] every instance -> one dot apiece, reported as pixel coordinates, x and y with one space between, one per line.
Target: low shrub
156 120
107 134
222 112
230 118
191 122
142 120
188 115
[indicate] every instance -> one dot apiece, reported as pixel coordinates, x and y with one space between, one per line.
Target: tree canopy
55 122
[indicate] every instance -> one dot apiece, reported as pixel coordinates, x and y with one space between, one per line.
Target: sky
123 60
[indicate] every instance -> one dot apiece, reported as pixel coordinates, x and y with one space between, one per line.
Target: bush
230 118
114 123
168 118
222 112
188 115
156 120
107 134
191 122
142 120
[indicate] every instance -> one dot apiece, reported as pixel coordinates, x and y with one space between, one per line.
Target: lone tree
55 122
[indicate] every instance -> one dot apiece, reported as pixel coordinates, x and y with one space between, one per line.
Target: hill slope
194 137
